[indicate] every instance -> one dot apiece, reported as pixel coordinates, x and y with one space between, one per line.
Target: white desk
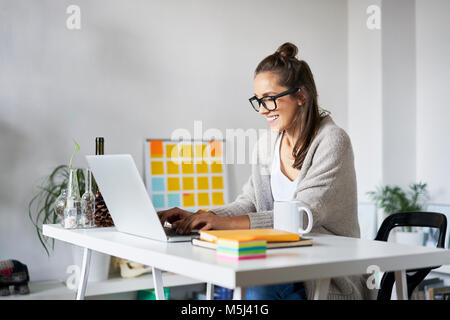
329 257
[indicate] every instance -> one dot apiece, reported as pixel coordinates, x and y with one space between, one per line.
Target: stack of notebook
274 238
241 248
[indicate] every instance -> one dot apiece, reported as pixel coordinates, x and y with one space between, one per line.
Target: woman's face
280 119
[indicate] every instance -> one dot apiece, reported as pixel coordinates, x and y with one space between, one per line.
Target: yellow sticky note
157 167
188 183
188 200
217 182
202 183
186 151
173 184
187 167
200 151
172 167
203 199
202 167
217 198
216 167
172 151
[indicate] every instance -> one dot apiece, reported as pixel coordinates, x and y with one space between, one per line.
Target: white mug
287 216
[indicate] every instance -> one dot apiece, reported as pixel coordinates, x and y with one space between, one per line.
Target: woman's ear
301 96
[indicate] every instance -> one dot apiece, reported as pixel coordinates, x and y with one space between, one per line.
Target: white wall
399 92
139 69
433 96
365 96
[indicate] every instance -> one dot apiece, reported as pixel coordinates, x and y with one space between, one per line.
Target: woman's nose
262 111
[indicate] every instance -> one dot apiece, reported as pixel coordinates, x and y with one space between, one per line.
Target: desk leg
82 282
209 291
239 293
401 285
321 291
158 283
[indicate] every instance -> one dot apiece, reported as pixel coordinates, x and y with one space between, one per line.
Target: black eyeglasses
269 102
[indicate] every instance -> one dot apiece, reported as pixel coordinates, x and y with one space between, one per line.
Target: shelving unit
57 290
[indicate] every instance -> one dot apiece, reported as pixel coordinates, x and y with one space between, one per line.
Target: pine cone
102 216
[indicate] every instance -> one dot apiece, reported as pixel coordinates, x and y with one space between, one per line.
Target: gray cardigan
327 185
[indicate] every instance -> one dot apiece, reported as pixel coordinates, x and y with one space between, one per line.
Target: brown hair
294 73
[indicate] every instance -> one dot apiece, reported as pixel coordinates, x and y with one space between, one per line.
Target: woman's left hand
200 220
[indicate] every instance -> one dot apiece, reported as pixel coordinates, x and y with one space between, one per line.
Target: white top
283 188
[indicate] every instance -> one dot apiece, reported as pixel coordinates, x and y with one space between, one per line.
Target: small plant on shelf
41 207
393 199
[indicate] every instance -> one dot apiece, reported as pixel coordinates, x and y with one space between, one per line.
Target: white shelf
58 290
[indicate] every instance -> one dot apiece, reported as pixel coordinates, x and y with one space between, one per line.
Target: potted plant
41 210
393 199
41 207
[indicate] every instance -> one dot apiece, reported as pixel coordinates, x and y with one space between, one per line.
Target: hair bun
288 50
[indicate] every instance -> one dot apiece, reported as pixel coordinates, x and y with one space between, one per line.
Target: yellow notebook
270 235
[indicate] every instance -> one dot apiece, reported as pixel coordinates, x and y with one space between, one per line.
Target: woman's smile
272 118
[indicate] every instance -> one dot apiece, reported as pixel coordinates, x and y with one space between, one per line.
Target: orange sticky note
216 148
156 149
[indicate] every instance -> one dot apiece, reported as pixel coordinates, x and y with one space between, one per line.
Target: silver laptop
127 199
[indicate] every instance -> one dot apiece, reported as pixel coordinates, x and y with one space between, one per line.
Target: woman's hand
172 215
200 220
207 220
184 221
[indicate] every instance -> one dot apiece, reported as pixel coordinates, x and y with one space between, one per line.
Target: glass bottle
59 206
73 206
88 204
102 215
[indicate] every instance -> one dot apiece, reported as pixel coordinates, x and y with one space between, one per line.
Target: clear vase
60 205
87 204
72 211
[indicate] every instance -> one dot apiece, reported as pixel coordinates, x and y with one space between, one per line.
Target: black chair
409 219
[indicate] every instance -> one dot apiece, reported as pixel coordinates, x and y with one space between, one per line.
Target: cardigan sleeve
246 202
329 186
243 204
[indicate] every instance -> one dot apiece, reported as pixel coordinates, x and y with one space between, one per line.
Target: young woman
307 157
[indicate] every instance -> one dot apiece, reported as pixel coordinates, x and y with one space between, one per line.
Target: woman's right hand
172 215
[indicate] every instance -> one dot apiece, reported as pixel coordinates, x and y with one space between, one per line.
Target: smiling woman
306 158
281 76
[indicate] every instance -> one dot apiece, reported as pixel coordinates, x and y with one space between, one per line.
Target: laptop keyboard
173 233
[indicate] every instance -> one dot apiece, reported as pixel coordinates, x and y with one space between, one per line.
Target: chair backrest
414 219
410 219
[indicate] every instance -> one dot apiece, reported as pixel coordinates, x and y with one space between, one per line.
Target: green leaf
393 199
40 207
77 147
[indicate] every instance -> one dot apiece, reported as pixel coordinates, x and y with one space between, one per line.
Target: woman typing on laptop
313 164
